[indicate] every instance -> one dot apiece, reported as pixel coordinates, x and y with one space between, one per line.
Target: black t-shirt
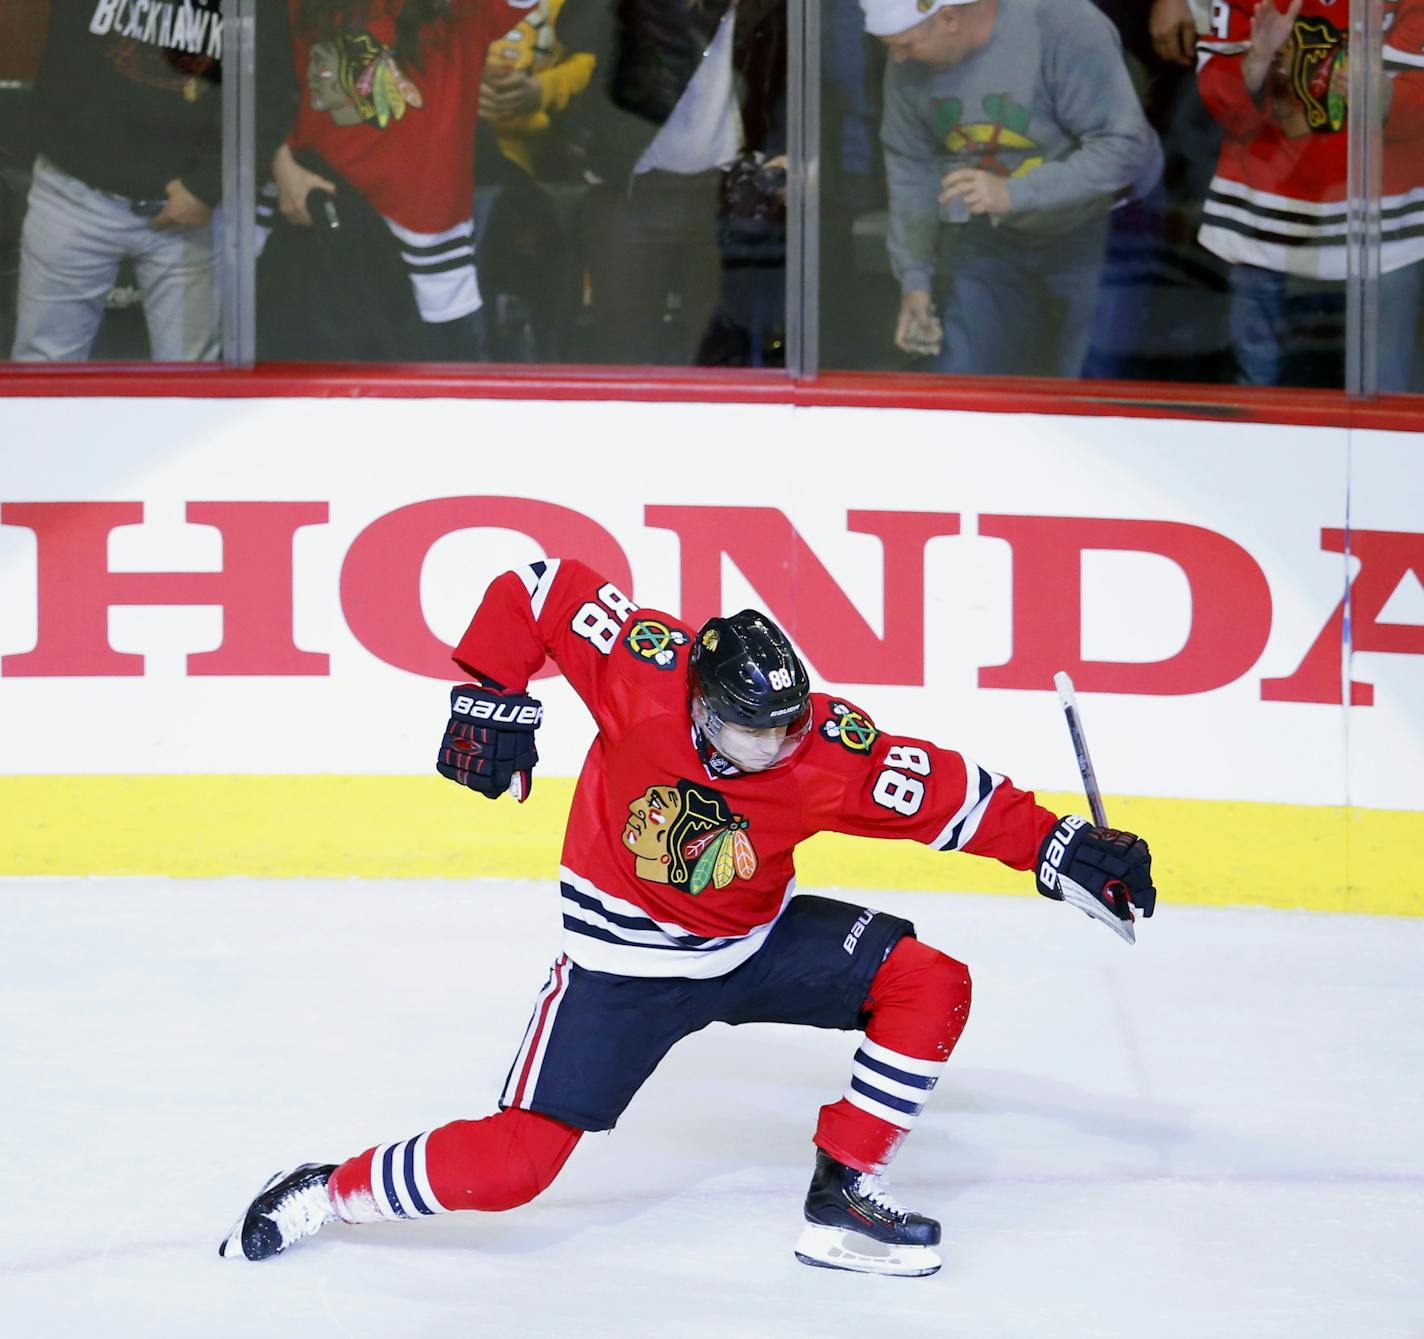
129 93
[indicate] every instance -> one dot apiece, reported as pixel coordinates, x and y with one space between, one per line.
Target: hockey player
713 761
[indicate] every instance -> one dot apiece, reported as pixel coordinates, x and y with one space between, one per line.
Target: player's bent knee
920 979
500 1162
945 982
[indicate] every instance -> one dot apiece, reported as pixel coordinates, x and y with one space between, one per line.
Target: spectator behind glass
530 78
1162 304
684 90
129 166
1010 128
393 89
1278 81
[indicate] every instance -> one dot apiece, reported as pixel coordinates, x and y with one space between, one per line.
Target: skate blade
230 1248
834 1248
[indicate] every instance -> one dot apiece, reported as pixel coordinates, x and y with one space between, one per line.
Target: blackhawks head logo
357 80
687 836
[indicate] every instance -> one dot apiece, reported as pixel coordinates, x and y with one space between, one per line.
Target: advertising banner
270 588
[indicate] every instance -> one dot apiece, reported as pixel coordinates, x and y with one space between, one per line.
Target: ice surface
1219 1132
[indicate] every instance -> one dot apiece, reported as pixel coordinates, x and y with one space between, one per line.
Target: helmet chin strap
713 759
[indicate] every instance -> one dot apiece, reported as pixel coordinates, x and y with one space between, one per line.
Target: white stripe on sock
931 1069
900 1119
422 1177
378 1183
905 1091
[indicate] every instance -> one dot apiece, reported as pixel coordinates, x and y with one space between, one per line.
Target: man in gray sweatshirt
1014 124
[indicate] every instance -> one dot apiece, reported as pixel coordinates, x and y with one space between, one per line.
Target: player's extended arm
910 788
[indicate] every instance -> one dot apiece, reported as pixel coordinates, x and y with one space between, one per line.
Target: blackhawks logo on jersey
688 836
1316 57
358 81
850 728
1000 143
653 641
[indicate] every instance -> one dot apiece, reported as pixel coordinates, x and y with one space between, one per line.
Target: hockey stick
1074 892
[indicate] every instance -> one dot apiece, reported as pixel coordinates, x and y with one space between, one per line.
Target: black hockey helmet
745 674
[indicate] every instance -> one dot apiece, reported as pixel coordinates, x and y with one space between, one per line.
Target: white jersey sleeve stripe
543 585
975 816
972 771
979 790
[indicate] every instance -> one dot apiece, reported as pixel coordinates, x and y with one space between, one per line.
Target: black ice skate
853 1223
292 1205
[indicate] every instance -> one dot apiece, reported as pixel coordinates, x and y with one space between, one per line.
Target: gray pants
73 240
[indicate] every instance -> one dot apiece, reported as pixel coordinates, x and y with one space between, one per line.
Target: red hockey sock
496 1163
918 1005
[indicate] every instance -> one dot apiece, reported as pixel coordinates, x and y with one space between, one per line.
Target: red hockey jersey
403 134
1278 199
674 868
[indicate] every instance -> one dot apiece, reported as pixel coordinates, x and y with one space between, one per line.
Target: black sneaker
852 1222
292 1205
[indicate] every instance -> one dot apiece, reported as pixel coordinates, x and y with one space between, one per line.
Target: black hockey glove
1101 871
489 742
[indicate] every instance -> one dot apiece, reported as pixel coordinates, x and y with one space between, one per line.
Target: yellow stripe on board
1205 852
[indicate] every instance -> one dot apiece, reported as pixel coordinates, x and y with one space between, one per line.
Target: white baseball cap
885 18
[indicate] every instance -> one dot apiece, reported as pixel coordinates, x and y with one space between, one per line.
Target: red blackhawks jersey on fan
402 132
671 867
1278 199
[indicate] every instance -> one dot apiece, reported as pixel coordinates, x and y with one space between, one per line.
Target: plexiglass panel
1116 189
111 141
1396 326
1138 190
580 182
1023 188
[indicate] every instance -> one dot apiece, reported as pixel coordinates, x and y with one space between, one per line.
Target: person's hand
1103 872
918 330
183 211
1270 31
294 184
1173 31
982 192
489 741
506 94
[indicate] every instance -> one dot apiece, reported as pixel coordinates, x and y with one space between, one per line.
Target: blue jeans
73 240
1018 304
1290 331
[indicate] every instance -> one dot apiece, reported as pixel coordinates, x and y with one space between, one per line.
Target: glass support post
803 203
1366 148
239 182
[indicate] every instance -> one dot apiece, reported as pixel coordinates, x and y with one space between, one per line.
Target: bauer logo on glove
489 741
1101 871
